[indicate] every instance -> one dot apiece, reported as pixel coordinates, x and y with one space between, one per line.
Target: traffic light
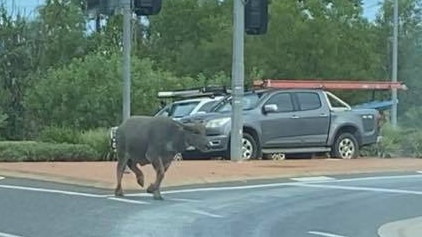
256 17
147 7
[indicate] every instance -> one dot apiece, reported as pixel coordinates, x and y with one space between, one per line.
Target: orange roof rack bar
323 84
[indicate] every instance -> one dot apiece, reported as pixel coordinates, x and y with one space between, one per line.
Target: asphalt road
338 206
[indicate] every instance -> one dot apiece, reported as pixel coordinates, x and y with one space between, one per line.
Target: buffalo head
195 136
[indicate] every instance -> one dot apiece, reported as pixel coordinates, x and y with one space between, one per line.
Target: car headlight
215 123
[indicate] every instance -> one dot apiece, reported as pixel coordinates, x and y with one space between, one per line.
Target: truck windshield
249 101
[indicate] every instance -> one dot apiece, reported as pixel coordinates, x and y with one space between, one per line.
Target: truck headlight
215 123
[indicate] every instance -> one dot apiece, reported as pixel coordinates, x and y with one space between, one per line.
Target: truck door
279 126
313 117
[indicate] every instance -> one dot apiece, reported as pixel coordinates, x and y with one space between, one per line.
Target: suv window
182 109
208 106
309 100
283 101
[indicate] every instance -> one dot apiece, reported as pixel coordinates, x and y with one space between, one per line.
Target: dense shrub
99 140
42 151
400 142
56 134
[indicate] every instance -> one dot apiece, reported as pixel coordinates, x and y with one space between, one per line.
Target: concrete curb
403 228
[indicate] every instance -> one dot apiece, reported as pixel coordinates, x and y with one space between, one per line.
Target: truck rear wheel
345 146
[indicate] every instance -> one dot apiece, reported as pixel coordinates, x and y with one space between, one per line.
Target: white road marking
324 234
313 179
381 190
204 213
44 190
8 235
275 185
1 177
376 178
226 188
183 199
128 200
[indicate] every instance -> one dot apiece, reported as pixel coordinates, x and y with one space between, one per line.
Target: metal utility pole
127 15
238 72
394 63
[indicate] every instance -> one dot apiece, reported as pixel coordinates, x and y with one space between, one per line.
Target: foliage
87 92
54 74
99 140
399 142
412 118
54 134
40 151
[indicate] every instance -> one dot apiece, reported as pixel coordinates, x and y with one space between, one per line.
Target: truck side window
283 101
308 100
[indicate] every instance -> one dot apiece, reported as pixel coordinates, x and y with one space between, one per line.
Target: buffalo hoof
140 181
157 196
118 193
151 188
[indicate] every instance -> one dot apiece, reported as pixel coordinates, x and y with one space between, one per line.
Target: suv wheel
345 146
249 147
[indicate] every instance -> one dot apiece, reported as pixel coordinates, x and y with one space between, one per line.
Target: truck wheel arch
347 129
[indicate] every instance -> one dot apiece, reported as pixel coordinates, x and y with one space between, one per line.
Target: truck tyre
249 147
345 146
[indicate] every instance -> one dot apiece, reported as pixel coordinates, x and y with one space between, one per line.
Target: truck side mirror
270 108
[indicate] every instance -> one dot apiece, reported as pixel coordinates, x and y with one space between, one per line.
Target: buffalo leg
139 175
121 164
155 187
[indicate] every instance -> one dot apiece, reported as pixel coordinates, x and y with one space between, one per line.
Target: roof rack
327 84
209 91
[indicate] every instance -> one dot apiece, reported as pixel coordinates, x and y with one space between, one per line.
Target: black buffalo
154 140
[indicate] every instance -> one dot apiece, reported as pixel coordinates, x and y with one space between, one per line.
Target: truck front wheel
345 146
249 148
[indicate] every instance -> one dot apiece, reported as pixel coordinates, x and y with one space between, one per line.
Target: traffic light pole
394 63
237 80
127 15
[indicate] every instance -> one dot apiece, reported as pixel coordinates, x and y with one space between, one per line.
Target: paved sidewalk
102 174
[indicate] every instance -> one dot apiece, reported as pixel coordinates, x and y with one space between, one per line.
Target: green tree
87 93
409 50
16 63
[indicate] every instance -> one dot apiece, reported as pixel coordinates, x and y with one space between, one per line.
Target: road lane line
128 201
225 188
44 190
274 185
183 200
1 177
312 179
374 178
326 234
8 235
204 213
353 188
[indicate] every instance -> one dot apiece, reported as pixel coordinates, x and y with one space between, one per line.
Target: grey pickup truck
283 121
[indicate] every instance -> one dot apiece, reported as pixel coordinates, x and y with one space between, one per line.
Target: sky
29 6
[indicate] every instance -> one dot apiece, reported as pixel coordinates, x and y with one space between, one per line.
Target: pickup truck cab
283 121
